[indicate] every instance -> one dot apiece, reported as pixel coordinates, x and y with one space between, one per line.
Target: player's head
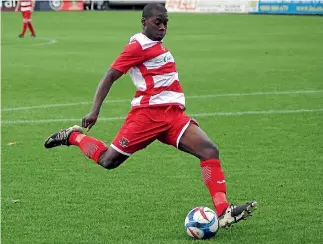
154 20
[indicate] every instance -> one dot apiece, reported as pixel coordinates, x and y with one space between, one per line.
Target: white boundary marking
239 113
50 41
188 97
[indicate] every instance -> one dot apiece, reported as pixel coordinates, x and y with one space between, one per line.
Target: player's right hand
89 120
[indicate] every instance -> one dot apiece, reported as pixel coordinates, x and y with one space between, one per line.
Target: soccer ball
201 223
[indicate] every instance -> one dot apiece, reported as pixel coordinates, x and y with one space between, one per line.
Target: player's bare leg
196 142
94 149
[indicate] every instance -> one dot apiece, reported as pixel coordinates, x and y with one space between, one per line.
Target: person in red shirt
157 114
26 7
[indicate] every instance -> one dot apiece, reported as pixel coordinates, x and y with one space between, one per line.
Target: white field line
49 41
188 97
241 113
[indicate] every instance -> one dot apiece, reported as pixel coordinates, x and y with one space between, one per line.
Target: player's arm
33 2
131 56
101 92
18 6
104 87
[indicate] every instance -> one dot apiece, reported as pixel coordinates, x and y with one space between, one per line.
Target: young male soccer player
26 7
157 113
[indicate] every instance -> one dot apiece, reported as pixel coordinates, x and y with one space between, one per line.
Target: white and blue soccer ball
201 223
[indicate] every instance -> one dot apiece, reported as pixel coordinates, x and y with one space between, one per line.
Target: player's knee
108 163
210 152
111 159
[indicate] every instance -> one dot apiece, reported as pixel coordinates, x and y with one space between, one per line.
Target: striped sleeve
131 56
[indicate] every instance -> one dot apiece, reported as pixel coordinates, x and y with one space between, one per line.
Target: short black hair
151 7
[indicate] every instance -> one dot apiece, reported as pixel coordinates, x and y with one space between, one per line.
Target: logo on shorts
124 142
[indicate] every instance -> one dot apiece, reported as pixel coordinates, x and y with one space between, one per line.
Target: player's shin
31 28
24 28
91 147
214 179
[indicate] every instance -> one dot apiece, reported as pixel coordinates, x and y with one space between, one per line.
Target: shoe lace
62 135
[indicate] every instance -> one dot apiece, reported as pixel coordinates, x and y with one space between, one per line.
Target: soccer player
26 7
157 114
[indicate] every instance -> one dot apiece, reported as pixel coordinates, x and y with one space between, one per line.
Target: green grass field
255 84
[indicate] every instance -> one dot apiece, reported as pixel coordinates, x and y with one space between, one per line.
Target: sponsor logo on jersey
167 58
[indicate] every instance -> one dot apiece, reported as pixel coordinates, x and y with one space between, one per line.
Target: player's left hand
89 120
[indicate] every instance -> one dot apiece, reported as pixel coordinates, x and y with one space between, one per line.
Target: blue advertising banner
59 5
290 7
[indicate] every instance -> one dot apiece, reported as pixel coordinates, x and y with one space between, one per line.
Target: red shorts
26 14
144 125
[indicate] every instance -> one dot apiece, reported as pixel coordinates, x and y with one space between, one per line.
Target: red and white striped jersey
152 69
25 5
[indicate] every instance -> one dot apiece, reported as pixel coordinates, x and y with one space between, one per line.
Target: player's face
155 27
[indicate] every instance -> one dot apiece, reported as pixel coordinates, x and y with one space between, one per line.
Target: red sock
214 179
31 28
24 28
91 147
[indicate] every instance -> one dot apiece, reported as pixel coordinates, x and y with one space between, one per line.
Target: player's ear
143 21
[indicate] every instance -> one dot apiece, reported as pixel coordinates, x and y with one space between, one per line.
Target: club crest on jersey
124 142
